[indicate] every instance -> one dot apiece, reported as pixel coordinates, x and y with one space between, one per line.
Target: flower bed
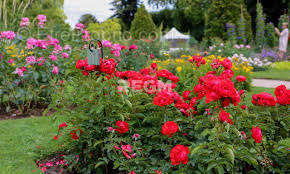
155 126
30 69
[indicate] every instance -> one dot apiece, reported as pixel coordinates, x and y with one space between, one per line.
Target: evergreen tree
125 10
86 19
222 12
260 28
142 25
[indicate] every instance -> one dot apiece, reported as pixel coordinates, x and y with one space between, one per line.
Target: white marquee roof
175 34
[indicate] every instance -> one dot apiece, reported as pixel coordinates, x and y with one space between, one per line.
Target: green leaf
210 166
230 154
99 164
196 149
220 169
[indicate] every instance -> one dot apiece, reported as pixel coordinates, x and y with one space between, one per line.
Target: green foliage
283 19
143 26
107 30
270 35
260 30
281 65
125 11
86 19
222 12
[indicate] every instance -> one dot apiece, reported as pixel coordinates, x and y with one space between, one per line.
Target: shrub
30 69
142 26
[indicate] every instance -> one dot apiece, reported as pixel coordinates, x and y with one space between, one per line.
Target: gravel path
270 83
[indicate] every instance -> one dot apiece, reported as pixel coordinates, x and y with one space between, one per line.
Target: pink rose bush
33 65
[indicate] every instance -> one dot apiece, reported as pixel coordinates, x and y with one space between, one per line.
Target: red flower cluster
257 134
263 99
122 126
163 98
198 60
75 134
225 117
168 75
215 88
282 95
106 66
240 78
179 154
169 128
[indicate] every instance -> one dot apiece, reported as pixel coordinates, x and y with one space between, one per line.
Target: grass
273 74
19 142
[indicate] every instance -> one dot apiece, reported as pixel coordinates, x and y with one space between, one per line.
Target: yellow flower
178 69
13 64
29 66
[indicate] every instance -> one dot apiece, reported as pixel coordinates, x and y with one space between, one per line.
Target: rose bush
30 69
125 128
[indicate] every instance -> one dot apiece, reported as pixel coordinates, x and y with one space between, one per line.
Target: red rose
257 134
241 92
282 95
225 117
227 64
122 126
108 66
91 67
85 73
152 56
163 98
240 78
169 128
185 95
244 107
179 154
263 99
193 101
81 64
153 65
133 47
75 134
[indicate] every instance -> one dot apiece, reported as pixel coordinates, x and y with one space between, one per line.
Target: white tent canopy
175 34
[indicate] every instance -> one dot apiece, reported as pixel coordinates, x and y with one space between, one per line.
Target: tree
142 24
86 19
260 29
108 30
222 12
125 10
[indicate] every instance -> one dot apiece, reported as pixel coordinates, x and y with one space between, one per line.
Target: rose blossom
24 22
169 128
179 154
122 126
240 78
257 134
54 69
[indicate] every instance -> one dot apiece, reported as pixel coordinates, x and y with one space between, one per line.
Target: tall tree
226 11
125 10
142 24
86 19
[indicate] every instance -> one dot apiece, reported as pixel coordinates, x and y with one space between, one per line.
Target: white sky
74 9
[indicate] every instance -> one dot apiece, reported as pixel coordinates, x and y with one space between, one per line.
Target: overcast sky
74 9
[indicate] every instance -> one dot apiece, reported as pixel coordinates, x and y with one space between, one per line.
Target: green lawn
273 74
19 141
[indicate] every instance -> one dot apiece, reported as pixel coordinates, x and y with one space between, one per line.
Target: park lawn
273 74
19 142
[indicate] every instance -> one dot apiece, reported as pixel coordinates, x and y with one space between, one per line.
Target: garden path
270 83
